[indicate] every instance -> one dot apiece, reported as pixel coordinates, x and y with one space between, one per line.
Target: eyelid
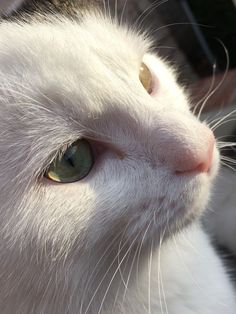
100 146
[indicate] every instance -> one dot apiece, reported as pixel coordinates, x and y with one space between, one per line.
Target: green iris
73 165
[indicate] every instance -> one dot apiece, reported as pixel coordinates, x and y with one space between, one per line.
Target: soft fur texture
125 239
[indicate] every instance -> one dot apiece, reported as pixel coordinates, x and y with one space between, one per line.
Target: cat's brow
118 151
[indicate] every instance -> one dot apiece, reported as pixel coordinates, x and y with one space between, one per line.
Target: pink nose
183 144
197 158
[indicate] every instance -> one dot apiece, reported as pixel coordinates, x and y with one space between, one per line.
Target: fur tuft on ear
9 6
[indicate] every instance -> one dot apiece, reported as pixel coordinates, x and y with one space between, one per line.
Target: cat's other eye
73 165
145 77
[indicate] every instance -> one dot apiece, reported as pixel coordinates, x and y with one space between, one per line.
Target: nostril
202 167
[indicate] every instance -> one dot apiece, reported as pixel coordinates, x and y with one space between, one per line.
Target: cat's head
95 95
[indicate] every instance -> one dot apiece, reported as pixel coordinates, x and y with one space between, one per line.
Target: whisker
221 81
139 251
104 276
186 267
161 279
95 269
129 274
113 276
149 279
218 119
179 24
226 144
116 12
160 291
213 127
122 279
104 7
232 161
123 12
148 11
228 166
109 9
121 275
208 94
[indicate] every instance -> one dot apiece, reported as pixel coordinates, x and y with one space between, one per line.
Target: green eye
73 165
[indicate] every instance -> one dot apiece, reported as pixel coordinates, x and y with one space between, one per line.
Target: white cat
104 175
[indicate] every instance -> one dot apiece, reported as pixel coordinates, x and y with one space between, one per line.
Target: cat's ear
9 6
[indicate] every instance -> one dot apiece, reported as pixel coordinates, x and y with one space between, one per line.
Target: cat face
153 160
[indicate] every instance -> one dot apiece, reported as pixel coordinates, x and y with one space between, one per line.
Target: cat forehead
78 59
92 43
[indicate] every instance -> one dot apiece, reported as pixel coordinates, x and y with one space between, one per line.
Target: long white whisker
161 279
116 11
185 266
159 272
123 12
148 11
112 278
149 279
104 7
213 127
139 252
226 144
129 274
228 166
104 276
109 9
209 90
222 80
219 118
95 269
232 161
179 24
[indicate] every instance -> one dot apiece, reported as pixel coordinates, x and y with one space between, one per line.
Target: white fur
75 248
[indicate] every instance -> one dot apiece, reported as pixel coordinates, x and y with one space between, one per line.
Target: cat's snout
197 159
185 146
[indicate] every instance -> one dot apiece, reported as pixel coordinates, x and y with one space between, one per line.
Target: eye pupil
145 77
70 161
73 165
68 156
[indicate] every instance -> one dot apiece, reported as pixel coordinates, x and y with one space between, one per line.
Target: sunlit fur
122 240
